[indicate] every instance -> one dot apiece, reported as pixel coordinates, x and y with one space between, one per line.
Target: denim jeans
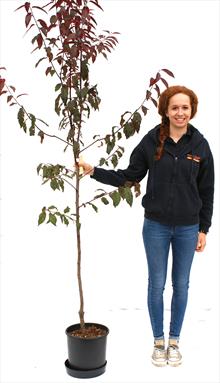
157 240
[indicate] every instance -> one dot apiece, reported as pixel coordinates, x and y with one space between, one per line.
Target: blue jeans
157 240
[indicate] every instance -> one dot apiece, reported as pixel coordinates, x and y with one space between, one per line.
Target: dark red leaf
4 91
29 28
41 9
77 21
154 101
164 81
27 6
41 134
92 18
22 6
34 49
2 84
9 98
22 94
113 33
97 4
49 54
70 37
59 3
104 54
148 95
113 39
109 44
46 5
48 70
50 27
94 56
152 81
42 23
144 109
39 41
107 49
156 87
27 19
3 68
42 58
34 39
53 6
167 71
158 76
85 12
12 87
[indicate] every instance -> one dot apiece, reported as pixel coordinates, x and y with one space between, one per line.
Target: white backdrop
39 296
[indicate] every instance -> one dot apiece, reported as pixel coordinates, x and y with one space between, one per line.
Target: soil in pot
89 332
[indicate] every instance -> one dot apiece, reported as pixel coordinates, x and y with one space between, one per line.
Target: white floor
39 300
38 356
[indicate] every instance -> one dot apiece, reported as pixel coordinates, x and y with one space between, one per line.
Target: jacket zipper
170 204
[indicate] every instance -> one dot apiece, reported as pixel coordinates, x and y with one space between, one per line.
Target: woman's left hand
201 242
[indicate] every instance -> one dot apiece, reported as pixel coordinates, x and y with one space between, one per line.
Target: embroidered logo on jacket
193 157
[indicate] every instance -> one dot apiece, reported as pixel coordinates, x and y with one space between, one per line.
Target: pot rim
77 325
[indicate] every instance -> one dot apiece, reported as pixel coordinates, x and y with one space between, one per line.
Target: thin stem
95 198
78 223
79 252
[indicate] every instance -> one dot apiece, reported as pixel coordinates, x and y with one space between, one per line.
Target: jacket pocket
155 201
187 202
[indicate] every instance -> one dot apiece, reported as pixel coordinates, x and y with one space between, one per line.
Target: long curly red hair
162 110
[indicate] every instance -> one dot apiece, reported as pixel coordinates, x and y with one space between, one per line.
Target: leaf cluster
50 215
116 196
56 175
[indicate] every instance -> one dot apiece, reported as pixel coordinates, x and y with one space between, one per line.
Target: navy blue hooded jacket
180 186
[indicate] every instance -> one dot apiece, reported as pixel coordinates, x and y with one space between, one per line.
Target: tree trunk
78 226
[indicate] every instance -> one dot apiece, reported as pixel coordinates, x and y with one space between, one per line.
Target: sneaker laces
159 350
173 350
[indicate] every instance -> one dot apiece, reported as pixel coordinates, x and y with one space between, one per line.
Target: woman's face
179 111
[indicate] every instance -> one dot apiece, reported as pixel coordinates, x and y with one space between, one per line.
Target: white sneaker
174 357
159 356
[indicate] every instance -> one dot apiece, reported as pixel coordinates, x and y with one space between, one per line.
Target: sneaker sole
159 364
174 364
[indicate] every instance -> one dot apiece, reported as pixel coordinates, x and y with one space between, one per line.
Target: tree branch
119 128
27 114
69 183
95 198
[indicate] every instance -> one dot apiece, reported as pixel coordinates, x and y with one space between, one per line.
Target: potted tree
66 34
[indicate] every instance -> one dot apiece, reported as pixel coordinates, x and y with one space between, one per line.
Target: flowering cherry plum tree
65 35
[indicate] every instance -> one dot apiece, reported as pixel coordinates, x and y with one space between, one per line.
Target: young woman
178 207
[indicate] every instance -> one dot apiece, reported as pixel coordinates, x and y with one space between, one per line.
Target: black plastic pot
86 357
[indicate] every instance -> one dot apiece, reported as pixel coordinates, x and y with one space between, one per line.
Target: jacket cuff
203 229
93 175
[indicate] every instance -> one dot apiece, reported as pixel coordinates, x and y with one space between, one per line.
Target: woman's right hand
84 168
